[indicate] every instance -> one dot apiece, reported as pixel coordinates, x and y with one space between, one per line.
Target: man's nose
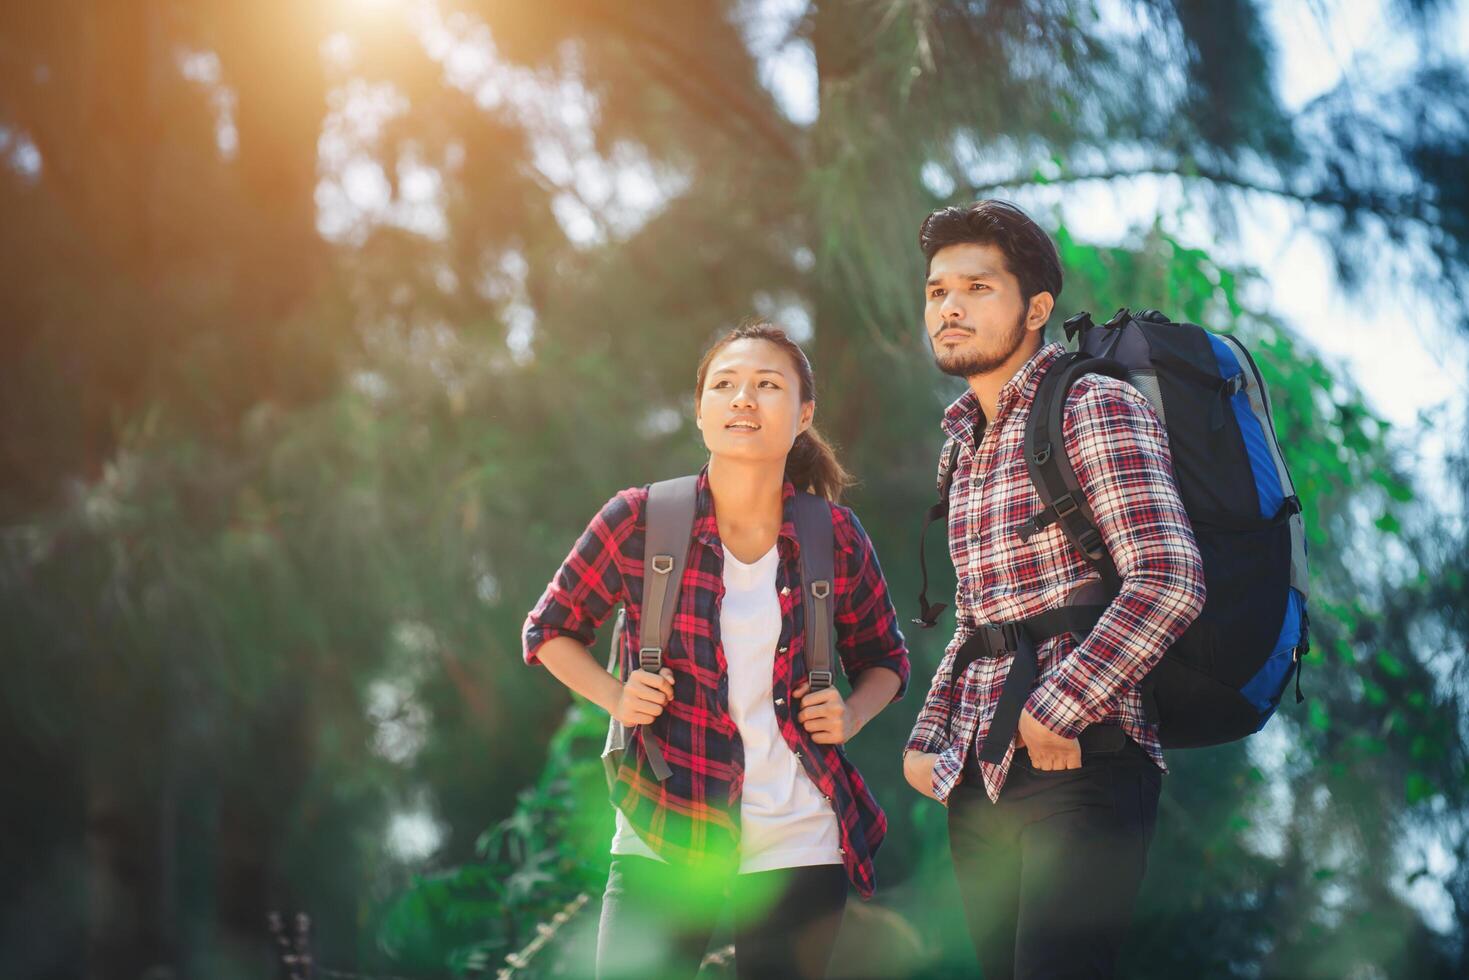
951 308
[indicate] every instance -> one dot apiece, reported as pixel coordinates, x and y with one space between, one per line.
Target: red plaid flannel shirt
694 815
1120 453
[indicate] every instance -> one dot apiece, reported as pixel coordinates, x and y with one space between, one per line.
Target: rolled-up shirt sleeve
866 622
1120 453
589 583
931 730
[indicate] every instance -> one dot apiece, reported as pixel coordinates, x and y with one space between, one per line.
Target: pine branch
1388 206
711 95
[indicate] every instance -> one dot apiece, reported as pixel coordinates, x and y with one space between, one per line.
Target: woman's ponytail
813 466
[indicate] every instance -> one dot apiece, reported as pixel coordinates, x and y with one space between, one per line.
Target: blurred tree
276 502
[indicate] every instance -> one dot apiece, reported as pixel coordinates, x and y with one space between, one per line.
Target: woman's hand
828 719
643 697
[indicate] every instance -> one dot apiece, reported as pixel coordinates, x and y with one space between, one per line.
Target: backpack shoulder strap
669 524
1050 468
818 572
929 612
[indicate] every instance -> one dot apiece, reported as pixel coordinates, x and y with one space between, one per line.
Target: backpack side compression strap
818 572
669 526
928 613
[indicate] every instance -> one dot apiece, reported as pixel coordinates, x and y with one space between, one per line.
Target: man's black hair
1029 252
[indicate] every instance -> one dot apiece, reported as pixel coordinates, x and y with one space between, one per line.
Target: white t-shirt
784 820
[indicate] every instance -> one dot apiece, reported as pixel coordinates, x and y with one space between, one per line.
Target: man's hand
918 770
828 719
1047 749
643 697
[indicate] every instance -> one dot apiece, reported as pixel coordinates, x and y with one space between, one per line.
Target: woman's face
750 408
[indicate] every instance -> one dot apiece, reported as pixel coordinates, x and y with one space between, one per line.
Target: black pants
1049 874
657 919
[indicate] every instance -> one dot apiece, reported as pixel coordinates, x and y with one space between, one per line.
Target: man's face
973 311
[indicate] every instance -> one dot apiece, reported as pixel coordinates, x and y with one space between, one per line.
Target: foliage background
328 324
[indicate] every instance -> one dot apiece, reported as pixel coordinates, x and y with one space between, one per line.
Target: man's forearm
918 770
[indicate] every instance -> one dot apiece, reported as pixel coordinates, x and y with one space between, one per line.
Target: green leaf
1390 664
1418 788
1389 523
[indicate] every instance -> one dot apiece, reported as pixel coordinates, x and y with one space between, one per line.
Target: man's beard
967 364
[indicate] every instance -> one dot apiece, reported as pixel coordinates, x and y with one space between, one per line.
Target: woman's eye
770 384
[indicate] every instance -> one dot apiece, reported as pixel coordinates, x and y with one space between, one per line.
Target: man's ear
1041 305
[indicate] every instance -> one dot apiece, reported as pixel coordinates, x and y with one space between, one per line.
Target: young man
1051 782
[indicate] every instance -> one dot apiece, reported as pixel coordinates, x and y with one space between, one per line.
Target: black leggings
657 919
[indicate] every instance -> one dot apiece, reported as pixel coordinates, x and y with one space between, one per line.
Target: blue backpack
1224 677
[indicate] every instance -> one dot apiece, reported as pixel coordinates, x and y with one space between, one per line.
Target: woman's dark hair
812 464
1029 252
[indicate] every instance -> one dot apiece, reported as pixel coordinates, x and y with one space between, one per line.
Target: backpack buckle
662 564
1078 324
1001 638
821 589
929 615
651 659
1035 526
1091 544
1065 505
820 680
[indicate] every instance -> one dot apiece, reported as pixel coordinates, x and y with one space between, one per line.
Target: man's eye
978 285
936 294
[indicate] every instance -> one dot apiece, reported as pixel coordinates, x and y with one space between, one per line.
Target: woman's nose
744 397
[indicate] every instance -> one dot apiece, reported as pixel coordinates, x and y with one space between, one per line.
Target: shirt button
785 590
780 700
782 649
841 850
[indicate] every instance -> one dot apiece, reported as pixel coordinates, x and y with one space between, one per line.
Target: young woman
761 807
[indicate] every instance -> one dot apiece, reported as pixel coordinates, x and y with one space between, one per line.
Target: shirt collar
962 419
706 525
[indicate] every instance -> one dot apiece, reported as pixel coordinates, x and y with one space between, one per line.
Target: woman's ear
808 415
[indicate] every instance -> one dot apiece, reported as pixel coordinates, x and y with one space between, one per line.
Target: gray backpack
670 525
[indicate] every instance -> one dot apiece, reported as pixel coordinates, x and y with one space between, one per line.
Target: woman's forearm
572 664
873 690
